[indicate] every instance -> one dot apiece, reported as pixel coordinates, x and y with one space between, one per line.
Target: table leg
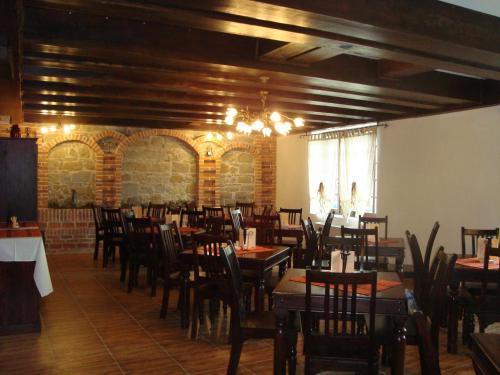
453 319
280 343
399 264
184 296
399 344
260 291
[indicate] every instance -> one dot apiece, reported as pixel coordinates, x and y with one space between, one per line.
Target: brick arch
155 132
109 133
43 167
201 141
236 146
127 141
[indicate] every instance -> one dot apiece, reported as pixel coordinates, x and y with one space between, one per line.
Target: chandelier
263 122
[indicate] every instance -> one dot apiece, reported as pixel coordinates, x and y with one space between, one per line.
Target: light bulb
66 129
209 136
275 117
287 126
229 135
266 132
218 136
257 125
52 128
298 121
229 120
72 126
44 130
241 126
231 112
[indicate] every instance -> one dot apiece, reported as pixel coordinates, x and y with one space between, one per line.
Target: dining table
467 269
261 260
24 277
289 299
486 353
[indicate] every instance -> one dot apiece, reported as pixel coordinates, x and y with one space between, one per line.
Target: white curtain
357 158
323 171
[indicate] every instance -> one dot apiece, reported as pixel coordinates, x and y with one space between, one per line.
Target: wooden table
486 353
24 278
261 263
289 297
460 275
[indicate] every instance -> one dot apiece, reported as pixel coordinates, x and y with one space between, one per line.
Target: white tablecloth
28 249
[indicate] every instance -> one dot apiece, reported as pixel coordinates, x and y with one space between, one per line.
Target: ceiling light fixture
262 122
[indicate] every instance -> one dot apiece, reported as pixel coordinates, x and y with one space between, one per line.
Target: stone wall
237 182
71 166
158 169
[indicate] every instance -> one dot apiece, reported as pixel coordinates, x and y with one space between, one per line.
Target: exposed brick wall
73 230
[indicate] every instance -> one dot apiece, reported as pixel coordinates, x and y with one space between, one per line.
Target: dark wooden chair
168 248
474 234
366 221
247 209
428 352
191 218
419 272
156 211
99 229
190 206
114 236
346 342
247 325
294 215
363 259
485 303
141 244
351 245
215 225
325 230
237 223
210 211
430 244
312 257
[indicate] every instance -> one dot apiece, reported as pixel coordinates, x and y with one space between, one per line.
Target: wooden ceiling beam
329 26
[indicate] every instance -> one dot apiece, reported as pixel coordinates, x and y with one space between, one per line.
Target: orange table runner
477 263
188 230
383 241
256 249
363 289
26 229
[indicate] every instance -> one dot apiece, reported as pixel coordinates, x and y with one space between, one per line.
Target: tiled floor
91 325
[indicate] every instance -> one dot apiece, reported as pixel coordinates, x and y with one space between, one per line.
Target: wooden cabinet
18 178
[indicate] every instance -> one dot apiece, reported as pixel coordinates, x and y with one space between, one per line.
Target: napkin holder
337 260
481 247
250 238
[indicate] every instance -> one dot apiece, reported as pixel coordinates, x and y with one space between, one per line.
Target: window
342 173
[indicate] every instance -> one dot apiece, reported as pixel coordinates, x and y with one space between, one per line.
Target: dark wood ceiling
179 64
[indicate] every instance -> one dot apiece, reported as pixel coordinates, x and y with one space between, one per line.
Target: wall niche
237 179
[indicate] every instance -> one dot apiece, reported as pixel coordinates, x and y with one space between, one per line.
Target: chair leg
164 301
153 282
194 317
105 252
131 276
96 249
467 327
234 359
292 361
124 258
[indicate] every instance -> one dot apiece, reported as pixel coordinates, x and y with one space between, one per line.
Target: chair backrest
429 356
294 215
352 245
232 270
214 225
209 211
430 244
98 219
157 211
474 234
488 253
369 237
419 272
247 209
167 247
268 229
190 206
140 234
313 255
367 221
325 231
191 218
206 250
339 310
113 222
236 223
177 236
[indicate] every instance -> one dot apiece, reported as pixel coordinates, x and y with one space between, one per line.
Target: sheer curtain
323 176
357 158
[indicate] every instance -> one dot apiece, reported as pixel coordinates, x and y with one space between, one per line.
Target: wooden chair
474 234
363 260
99 229
485 304
325 230
419 272
114 236
352 245
142 251
345 342
312 257
247 209
171 268
366 221
191 218
247 325
156 211
215 225
430 244
268 229
294 215
428 352
236 223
